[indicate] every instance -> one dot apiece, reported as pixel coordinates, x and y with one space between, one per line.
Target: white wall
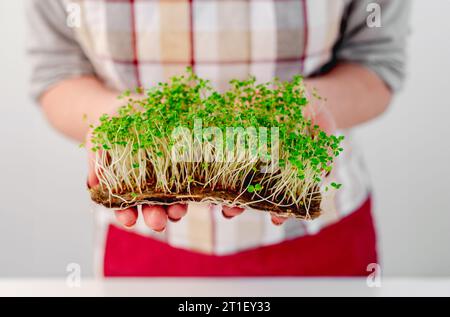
44 212
408 153
44 219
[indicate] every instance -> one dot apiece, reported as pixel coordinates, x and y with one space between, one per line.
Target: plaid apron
135 43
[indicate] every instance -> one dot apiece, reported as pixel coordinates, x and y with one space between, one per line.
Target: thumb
92 180
321 116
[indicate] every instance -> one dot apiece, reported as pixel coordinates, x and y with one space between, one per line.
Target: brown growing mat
200 195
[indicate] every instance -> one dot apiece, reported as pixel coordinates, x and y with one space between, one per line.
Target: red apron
342 249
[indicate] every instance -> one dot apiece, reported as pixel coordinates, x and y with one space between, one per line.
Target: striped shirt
131 43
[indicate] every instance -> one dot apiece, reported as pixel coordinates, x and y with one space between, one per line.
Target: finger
230 212
92 180
155 217
278 221
320 116
176 212
326 121
127 217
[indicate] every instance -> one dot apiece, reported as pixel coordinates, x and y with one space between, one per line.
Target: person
79 69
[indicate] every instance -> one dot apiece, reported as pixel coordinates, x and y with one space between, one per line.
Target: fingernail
129 227
159 231
277 223
226 217
174 220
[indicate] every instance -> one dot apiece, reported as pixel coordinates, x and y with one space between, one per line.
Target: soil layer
102 197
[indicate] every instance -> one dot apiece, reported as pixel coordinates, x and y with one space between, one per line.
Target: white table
225 287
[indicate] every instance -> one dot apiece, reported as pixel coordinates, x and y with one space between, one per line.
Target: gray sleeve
53 52
381 49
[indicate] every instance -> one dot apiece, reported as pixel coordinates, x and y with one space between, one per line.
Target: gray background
45 221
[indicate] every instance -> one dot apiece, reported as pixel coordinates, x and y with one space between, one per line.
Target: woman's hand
317 110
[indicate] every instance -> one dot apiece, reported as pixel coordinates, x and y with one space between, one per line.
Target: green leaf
336 185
